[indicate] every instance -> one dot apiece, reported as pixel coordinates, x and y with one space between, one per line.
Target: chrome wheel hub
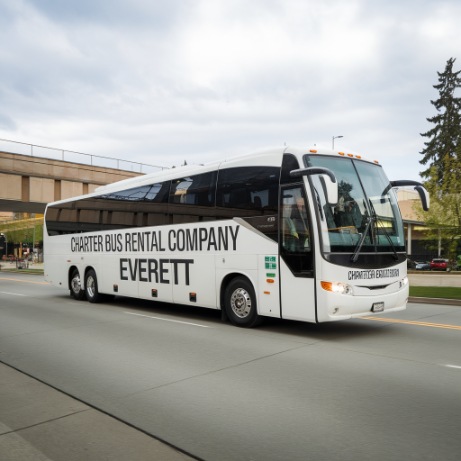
241 303
75 284
90 286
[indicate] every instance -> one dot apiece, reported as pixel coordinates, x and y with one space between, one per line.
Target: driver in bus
295 227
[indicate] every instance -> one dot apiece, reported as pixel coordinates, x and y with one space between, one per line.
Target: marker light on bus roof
343 154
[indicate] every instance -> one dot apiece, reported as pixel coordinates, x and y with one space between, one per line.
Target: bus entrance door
296 256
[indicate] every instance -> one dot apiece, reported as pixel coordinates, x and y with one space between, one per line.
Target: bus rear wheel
240 303
91 287
76 290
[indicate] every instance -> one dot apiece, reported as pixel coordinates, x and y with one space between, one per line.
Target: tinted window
154 193
249 191
194 190
289 164
115 210
248 188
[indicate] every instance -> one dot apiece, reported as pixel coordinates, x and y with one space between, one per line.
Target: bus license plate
377 307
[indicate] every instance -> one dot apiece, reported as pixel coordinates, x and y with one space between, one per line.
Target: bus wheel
76 286
91 287
240 303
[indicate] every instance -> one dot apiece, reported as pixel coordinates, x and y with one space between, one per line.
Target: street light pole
333 141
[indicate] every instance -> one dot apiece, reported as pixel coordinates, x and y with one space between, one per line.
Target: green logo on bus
271 262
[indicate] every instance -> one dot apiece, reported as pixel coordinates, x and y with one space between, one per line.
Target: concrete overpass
28 183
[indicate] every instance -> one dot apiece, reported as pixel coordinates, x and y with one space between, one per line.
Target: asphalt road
381 388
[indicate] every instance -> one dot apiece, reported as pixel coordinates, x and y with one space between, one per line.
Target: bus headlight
404 282
337 287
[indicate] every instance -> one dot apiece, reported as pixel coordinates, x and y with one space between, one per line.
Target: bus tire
240 303
91 287
75 284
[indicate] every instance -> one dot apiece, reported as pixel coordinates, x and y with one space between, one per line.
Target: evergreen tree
444 138
442 155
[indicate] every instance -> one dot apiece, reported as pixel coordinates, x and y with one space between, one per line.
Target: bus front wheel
91 287
240 303
76 290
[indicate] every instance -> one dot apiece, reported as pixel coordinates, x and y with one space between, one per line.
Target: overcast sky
161 82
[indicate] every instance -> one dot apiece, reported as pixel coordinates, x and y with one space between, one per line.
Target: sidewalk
12 266
39 423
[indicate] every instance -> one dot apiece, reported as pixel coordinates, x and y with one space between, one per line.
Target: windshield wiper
358 248
388 237
373 218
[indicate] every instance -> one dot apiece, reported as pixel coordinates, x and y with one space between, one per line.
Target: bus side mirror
327 179
422 192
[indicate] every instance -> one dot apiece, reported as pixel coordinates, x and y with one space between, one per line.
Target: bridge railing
53 153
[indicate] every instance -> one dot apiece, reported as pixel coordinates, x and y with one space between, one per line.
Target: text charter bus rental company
310 235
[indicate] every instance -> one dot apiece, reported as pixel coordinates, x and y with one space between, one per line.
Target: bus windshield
366 217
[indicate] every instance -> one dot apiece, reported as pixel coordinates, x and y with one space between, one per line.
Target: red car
439 265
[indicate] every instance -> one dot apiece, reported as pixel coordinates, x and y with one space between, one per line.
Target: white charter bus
310 235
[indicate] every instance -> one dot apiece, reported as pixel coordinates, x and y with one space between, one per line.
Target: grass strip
436 292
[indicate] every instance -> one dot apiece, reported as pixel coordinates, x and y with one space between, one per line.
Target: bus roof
267 157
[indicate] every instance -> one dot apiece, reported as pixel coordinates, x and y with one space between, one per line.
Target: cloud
200 79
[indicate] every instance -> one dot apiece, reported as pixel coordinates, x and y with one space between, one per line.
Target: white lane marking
168 320
23 281
453 366
11 294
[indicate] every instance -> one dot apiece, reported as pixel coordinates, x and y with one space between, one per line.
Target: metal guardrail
54 153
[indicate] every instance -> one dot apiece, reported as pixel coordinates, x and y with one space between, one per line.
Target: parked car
422 266
438 264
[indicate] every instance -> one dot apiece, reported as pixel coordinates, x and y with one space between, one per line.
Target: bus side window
248 188
192 199
289 163
194 190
